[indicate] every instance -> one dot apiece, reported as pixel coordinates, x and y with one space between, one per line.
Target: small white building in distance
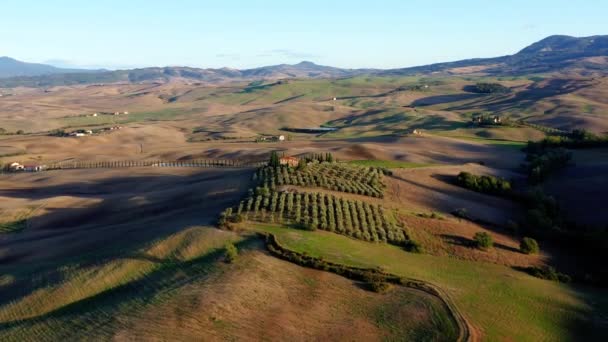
281 138
13 167
335 98
94 114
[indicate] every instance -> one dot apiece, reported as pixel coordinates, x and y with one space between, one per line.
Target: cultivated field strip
332 176
312 210
358 219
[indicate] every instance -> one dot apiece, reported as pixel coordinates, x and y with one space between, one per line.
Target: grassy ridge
83 299
503 303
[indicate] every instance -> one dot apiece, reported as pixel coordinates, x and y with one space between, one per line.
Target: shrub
529 246
237 218
378 286
431 215
231 252
461 213
483 240
413 247
548 273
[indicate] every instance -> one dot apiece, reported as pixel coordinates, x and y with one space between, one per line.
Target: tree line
155 163
578 138
542 160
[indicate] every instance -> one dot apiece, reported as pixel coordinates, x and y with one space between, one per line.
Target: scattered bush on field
230 253
431 215
529 246
483 240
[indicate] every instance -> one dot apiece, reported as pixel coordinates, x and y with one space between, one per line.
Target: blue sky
243 34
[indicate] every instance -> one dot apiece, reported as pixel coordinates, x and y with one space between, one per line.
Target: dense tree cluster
490 88
543 161
274 159
578 138
333 176
484 184
543 214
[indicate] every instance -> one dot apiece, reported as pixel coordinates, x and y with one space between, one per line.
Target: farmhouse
14 167
17 167
271 138
487 120
34 168
289 161
81 133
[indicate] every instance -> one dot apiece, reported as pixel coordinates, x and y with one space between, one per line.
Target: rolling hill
587 55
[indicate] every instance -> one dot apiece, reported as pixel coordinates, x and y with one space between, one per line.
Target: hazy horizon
238 34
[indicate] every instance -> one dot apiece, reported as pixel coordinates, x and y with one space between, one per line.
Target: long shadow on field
132 213
470 243
101 309
526 98
441 99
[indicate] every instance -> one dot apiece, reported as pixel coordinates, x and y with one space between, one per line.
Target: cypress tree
274 159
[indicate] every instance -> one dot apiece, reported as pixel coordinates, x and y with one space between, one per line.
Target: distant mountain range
552 54
10 67
586 56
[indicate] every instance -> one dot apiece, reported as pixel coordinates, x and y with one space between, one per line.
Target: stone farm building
16 167
289 161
